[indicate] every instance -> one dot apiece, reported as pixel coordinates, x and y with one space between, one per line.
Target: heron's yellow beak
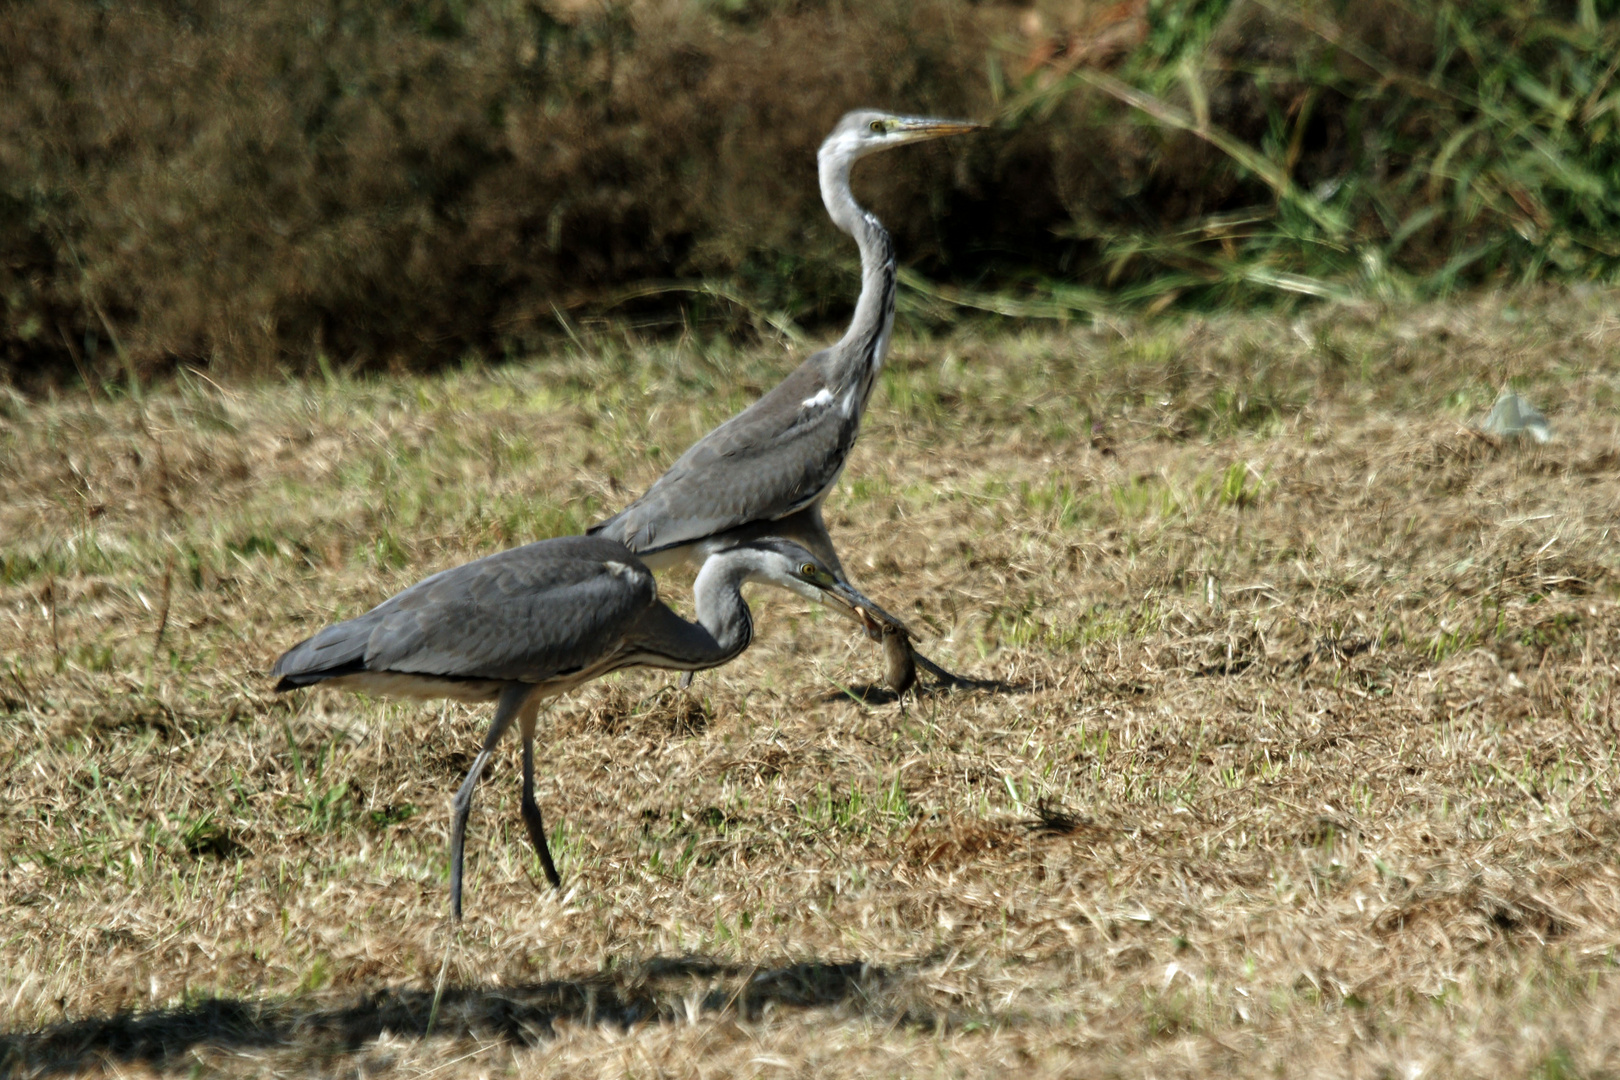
917 128
850 603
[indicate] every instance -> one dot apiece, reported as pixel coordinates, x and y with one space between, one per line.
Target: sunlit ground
1301 759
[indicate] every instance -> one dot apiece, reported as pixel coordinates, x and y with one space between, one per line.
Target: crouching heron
767 470
520 626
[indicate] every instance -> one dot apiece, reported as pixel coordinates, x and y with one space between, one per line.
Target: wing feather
524 615
772 459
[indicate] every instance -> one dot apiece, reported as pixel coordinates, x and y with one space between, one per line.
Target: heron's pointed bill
850 603
918 128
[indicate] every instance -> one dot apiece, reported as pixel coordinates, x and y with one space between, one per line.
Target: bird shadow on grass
661 990
878 694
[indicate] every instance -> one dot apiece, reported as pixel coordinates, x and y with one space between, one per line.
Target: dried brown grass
1305 764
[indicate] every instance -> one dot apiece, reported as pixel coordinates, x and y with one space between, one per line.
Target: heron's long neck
723 629
865 343
721 609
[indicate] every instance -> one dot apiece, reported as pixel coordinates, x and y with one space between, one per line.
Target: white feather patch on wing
822 397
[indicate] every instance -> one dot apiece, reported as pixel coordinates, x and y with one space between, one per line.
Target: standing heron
524 625
766 471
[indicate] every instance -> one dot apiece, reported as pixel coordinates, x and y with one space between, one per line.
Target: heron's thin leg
506 708
438 984
531 810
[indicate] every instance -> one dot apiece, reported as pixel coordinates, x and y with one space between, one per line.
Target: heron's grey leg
506 708
531 810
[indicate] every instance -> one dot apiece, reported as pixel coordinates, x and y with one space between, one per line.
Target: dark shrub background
274 184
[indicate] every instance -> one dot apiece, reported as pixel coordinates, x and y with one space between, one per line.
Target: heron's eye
879 127
808 570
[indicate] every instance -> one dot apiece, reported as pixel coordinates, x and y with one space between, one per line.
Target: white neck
865 344
721 610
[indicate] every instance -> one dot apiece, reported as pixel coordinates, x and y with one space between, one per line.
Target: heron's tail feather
336 650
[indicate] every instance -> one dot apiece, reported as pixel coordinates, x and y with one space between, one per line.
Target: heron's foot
537 836
686 679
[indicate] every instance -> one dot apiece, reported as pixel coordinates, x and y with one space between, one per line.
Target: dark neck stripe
876 238
747 637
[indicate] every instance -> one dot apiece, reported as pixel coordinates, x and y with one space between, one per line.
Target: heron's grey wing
526 615
772 459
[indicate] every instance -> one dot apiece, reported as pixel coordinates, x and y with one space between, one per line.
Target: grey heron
767 470
524 625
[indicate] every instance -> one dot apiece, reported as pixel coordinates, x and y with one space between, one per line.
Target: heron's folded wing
774 458
526 615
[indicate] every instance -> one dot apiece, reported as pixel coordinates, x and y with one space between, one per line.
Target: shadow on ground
878 694
658 991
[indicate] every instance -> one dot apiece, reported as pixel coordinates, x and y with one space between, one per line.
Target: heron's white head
866 131
790 566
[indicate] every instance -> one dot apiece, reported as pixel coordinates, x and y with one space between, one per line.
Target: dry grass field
1297 758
